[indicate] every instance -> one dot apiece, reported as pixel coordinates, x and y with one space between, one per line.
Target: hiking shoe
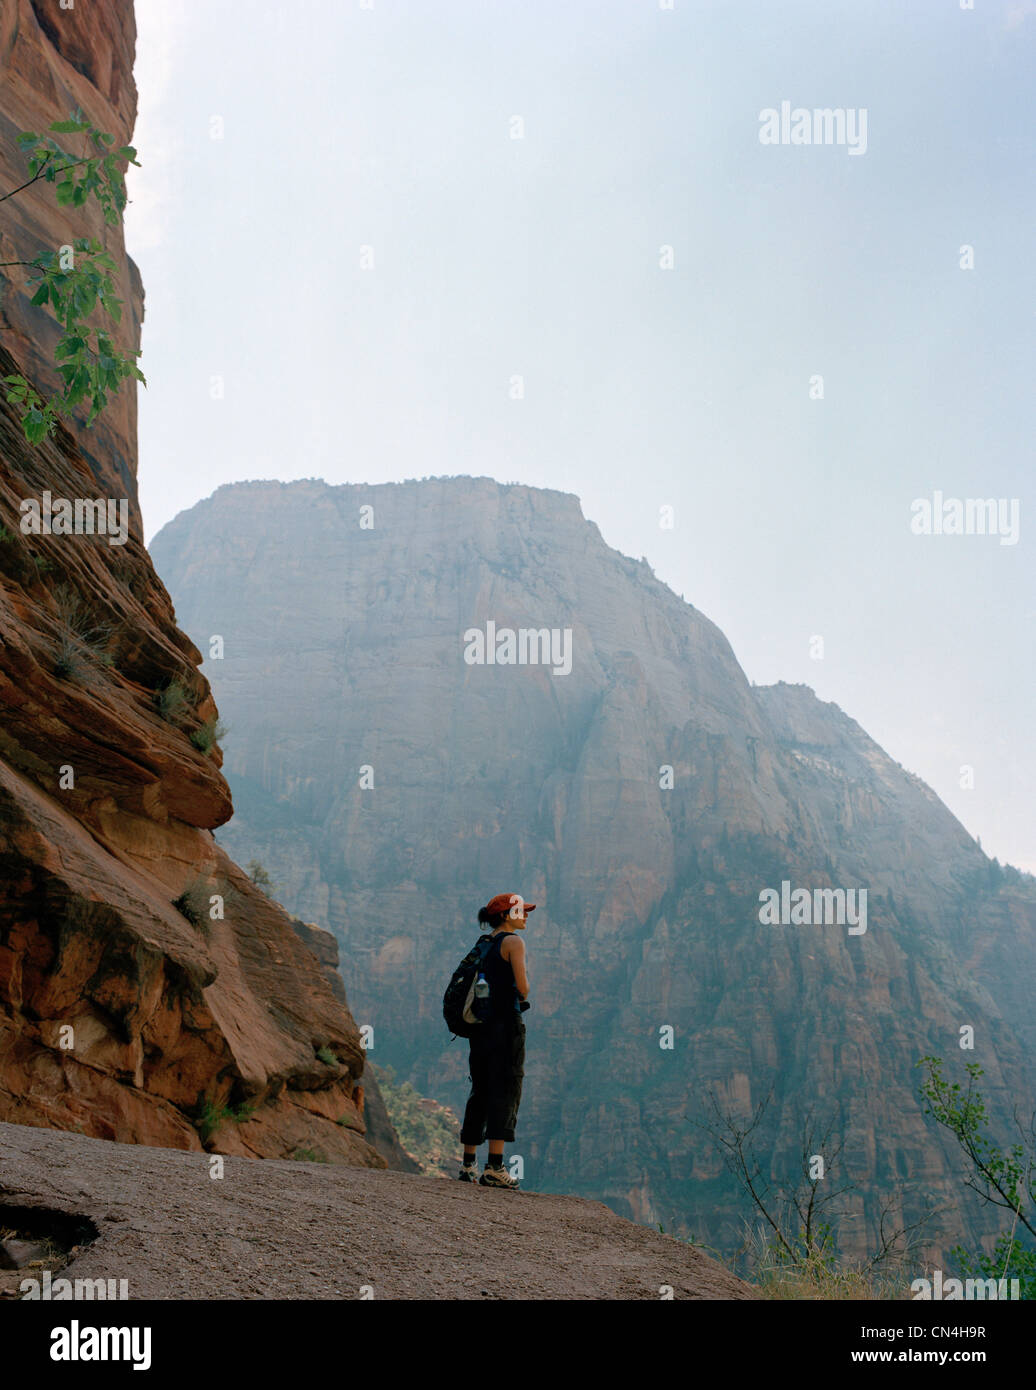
498 1177
467 1174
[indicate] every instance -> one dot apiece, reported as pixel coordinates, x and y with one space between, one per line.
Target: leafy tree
76 279
1002 1177
259 876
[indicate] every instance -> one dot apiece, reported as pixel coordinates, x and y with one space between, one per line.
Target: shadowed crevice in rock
38 1240
62 1228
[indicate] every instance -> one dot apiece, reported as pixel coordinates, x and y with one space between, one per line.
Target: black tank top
503 992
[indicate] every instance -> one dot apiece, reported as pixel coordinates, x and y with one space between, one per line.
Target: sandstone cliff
344 651
148 991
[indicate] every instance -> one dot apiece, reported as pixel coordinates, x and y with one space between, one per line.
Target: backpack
461 1010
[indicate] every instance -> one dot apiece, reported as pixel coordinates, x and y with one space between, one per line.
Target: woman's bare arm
513 951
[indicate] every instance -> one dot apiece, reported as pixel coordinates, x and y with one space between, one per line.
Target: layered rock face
121 1014
644 800
148 991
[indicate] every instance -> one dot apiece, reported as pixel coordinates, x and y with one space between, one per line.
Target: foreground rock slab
279 1229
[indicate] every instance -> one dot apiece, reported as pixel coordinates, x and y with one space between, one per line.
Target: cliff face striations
148 991
644 799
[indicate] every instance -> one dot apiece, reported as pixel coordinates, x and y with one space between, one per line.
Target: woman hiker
497 1057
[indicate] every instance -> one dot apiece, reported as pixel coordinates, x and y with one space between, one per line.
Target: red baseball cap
508 902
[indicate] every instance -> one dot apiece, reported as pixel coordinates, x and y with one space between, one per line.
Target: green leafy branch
76 280
101 174
1002 1176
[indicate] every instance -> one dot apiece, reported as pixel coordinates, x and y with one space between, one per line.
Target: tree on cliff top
76 278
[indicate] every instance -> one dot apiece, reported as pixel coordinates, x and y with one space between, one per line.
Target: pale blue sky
390 127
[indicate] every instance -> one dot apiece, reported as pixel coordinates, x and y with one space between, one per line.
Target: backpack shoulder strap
495 943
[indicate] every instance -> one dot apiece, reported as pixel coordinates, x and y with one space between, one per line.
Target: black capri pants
496 1067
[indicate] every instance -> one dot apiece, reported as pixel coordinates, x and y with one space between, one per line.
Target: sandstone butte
183 1033
489 776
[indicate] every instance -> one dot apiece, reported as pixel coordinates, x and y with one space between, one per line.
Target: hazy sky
279 141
